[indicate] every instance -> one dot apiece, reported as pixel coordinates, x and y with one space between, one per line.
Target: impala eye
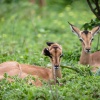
92 39
81 40
61 55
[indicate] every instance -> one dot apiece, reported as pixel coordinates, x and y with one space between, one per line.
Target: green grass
24 31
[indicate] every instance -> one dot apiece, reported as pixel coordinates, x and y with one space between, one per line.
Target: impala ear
75 30
95 30
46 52
49 43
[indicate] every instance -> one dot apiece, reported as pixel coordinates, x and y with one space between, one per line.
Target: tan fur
86 58
14 68
92 59
8 67
56 51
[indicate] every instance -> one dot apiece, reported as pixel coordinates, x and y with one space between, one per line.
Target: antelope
53 51
86 37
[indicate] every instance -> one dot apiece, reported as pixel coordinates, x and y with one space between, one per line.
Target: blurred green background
25 27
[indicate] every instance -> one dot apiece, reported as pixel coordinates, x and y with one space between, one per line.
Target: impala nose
56 66
88 50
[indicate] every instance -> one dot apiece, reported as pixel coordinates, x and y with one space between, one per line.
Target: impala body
53 51
86 38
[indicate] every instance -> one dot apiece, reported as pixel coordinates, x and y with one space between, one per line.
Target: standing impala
53 51
86 38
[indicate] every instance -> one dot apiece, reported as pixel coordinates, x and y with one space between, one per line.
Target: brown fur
86 37
14 68
56 51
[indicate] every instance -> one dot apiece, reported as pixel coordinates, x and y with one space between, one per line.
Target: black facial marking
55 47
86 32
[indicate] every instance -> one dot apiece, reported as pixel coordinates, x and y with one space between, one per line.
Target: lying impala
86 38
53 51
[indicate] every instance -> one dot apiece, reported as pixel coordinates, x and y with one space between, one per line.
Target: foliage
93 23
95 8
24 31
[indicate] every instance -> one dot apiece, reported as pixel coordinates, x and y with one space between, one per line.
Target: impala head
86 37
54 51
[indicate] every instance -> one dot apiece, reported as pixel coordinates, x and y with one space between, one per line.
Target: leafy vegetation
24 30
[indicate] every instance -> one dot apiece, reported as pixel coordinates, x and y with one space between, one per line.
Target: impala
53 51
86 38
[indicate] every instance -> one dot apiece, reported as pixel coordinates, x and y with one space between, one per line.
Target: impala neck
56 73
85 57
